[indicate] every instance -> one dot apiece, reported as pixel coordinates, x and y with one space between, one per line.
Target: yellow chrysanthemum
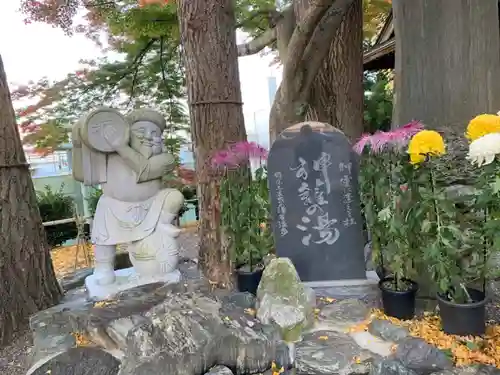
425 143
481 125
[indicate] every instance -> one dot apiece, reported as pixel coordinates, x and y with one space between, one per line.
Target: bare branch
133 67
257 44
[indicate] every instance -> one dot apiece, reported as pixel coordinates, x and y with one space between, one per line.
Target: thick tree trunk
447 67
214 95
337 93
28 283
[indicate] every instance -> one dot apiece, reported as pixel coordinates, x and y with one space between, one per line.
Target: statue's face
146 138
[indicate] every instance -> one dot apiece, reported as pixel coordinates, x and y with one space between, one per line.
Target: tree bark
337 93
28 280
447 66
214 95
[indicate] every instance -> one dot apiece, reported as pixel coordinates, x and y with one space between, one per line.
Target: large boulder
177 329
283 300
79 361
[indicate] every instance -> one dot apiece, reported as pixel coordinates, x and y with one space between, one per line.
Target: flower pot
399 304
248 281
464 319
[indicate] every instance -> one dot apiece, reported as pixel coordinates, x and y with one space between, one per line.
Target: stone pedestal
126 278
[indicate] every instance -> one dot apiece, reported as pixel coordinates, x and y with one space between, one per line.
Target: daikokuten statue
125 156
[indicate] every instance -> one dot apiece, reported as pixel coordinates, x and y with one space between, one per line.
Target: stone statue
126 157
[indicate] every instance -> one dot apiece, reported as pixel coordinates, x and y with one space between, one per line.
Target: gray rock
290 319
244 300
283 355
52 328
343 314
76 279
391 367
184 329
219 370
311 296
387 331
421 357
177 329
284 300
268 258
367 293
80 361
330 352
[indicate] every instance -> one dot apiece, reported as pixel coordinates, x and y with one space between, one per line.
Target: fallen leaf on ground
81 339
464 351
250 311
102 304
64 259
328 299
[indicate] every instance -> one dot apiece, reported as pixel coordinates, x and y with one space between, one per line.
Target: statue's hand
112 136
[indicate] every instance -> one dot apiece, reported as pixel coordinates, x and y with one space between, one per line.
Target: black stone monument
313 181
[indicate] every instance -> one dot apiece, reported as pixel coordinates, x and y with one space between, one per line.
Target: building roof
381 54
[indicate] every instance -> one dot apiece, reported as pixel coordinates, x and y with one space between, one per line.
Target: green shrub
55 205
189 193
92 199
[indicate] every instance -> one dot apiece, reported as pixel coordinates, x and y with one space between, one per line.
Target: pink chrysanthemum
238 154
225 159
249 150
381 140
363 141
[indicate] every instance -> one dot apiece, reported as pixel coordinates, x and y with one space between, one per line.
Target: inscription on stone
313 179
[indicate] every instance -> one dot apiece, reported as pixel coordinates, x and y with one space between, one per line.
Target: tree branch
301 37
133 67
257 44
272 16
318 47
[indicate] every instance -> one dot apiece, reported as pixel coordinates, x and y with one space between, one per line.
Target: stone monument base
365 289
126 278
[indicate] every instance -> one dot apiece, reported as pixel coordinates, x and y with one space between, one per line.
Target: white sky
30 52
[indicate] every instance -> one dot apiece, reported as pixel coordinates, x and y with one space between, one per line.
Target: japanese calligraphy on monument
315 205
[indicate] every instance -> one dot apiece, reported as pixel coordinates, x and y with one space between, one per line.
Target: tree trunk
214 96
447 67
28 281
337 92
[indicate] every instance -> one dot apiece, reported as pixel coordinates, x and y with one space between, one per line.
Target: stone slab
125 279
313 186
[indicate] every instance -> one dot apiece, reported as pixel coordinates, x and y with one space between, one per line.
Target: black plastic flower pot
248 281
398 304
464 319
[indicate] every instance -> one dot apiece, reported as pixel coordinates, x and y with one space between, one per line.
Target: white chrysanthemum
483 150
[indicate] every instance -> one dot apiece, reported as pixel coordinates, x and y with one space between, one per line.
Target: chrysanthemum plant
386 181
245 204
456 251
444 243
484 153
